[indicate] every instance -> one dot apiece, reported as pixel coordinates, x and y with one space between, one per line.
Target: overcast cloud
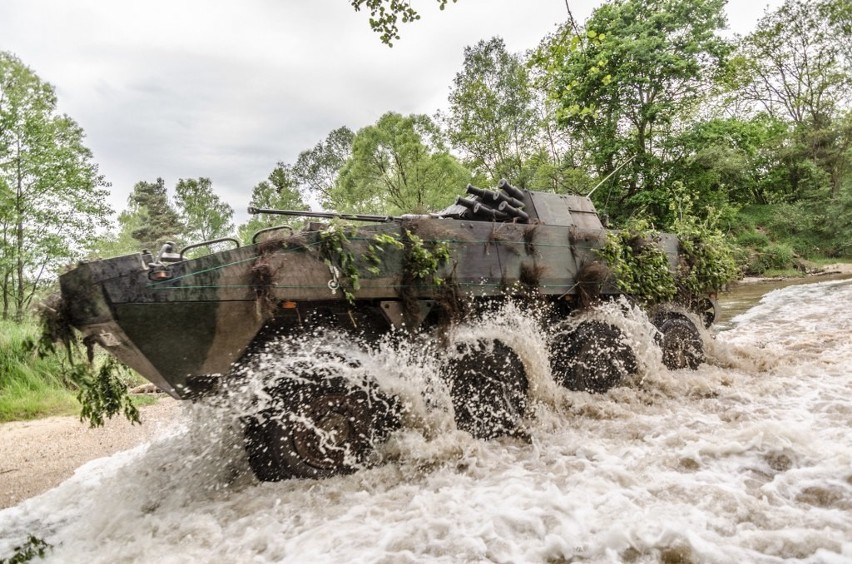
189 88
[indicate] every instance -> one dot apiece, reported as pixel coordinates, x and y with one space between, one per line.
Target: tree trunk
19 243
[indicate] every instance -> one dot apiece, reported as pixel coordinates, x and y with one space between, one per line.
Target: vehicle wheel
488 387
260 458
318 429
707 310
592 358
681 343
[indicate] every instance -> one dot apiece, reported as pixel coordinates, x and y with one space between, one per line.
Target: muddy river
747 459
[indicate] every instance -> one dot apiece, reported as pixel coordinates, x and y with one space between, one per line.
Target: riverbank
38 455
840 268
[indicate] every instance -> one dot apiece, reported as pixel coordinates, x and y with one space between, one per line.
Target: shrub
754 239
777 256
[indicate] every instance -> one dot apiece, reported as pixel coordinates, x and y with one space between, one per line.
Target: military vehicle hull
184 322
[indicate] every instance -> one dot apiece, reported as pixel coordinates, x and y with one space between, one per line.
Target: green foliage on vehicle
100 381
335 251
376 250
706 257
423 258
641 268
39 379
102 392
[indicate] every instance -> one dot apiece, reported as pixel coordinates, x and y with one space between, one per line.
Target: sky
225 90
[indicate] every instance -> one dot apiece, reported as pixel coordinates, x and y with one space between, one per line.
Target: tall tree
492 118
157 219
204 215
797 57
799 68
629 79
52 199
278 191
398 165
315 171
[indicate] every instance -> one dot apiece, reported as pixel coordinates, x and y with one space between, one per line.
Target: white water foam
749 458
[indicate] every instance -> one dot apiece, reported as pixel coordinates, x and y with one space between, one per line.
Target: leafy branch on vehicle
334 248
639 264
101 390
706 257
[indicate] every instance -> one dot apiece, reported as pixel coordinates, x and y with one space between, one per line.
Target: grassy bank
33 385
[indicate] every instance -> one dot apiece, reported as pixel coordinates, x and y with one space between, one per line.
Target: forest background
751 135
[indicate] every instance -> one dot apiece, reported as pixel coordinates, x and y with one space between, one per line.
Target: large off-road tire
593 358
318 426
680 342
488 387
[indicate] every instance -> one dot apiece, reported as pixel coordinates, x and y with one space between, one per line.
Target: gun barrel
325 215
485 195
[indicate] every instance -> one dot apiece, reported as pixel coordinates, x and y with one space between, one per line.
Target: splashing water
749 458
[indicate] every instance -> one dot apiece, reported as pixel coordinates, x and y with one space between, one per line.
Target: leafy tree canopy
398 165
731 160
492 117
315 171
158 220
628 80
278 191
797 61
204 215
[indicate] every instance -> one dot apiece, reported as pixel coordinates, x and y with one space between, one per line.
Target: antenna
598 185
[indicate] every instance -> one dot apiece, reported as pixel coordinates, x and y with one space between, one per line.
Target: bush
809 229
777 256
754 239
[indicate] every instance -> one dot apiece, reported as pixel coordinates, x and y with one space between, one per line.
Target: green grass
33 386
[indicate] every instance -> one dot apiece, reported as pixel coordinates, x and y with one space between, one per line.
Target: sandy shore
841 268
38 455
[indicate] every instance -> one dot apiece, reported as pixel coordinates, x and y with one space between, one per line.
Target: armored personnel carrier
192 325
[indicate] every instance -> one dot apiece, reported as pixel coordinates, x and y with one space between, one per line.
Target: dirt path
38 455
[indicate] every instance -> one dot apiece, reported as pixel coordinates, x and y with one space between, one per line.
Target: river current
747 459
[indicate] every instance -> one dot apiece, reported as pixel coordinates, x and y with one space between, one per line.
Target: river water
747 459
